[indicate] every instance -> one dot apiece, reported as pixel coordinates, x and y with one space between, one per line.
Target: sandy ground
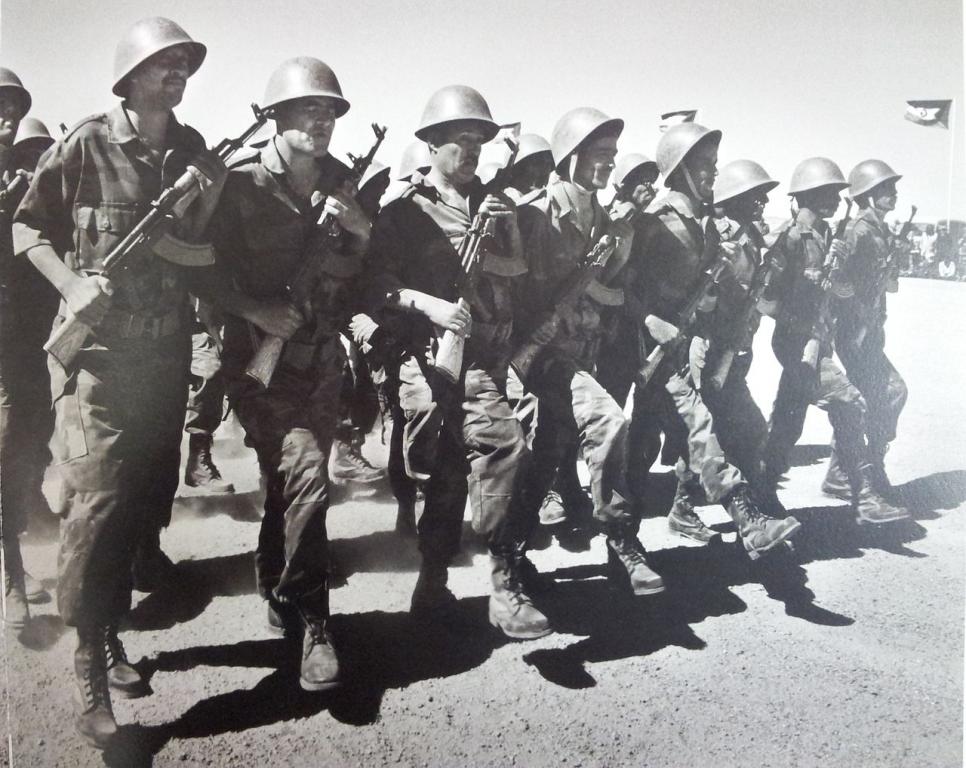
848 652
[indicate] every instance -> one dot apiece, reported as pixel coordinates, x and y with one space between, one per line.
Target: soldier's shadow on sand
372 658
195 584
698 584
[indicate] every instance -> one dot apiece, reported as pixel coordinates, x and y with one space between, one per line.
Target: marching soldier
870 266
676 245
634 179
560 227
119 405
467 431
268 236
24 392
800 255
721 356
531 167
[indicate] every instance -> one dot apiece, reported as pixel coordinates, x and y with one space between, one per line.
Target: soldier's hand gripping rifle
886 275
686 319
833 285
449 354
760 282
262 366
66 341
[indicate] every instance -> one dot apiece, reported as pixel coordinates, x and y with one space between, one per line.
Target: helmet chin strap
690 183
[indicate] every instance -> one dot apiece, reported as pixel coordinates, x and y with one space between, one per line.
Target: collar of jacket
120 130
870 216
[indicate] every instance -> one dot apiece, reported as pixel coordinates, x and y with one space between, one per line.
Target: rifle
568 293
832 284
760 282
449 355
268 351
65 342
20 177
884 281
685 320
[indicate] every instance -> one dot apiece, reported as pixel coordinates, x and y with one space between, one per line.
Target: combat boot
880 479
870 507
200 470
35 590
93 714
121 675
627 564
350 465
406 518
836 483
16 612
151 569
432 601
684 521
552 509
319 669
511 610
283 619
759 533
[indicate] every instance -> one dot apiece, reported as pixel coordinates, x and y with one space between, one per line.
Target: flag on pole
933 114
678 116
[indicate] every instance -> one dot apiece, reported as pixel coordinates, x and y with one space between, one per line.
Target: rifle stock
64 343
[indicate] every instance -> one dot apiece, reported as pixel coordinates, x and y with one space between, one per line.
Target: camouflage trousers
116 448
575 417
827 387
873 374
739 425
206 396
461 440
291 425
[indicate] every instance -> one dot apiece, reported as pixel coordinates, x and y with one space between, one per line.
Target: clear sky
784 80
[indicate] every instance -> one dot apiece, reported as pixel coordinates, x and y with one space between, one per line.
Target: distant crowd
932 251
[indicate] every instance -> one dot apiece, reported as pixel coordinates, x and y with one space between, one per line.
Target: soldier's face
884 195
11 112
747 207
824 201
595 163
702 164
306 124
533 172
457 152
162 78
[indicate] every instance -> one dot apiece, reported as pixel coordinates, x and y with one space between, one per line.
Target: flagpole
952 147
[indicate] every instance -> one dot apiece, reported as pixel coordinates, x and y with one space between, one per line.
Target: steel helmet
740 176
575 127
146 38
10 81
815 172
414 158
456 102
627 164
375 169
869 174
31 129
300 77
677 141
531 144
